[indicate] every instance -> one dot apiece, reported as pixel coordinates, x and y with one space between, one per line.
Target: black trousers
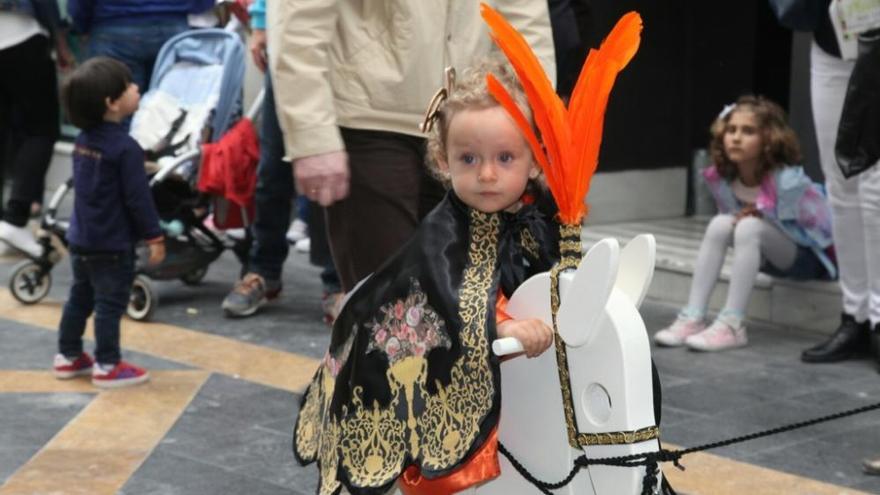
390 192
29 113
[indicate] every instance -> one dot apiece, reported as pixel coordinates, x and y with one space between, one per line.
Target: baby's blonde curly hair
471 93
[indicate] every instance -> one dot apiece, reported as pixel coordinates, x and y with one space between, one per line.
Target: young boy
112 210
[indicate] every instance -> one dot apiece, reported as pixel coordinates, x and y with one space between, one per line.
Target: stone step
811 306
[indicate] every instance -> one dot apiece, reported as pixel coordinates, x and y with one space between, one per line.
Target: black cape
409 378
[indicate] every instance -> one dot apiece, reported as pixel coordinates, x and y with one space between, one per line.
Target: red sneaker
64 368
121 375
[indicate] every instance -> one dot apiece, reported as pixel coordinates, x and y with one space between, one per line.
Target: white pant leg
713 248
869 197
754 238
829 77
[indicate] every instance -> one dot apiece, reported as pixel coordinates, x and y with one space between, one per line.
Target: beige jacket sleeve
302 31
532 19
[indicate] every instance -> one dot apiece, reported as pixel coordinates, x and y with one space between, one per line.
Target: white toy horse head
609 363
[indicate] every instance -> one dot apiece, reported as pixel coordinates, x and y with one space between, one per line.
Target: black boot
849 339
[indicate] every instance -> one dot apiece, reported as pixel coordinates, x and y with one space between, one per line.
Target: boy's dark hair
85 91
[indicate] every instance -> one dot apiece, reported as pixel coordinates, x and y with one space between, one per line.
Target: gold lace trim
529 243
619 437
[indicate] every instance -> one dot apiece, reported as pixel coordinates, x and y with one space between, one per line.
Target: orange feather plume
572 136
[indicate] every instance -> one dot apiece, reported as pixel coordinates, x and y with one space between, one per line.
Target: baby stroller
191 115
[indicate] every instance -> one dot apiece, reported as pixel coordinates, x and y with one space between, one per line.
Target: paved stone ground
235 435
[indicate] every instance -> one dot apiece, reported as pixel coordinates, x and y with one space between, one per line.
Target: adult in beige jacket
352 80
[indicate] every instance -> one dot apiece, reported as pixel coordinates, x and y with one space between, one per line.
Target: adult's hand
322 178
63 56
258 48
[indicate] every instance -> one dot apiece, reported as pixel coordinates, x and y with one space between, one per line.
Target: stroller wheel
30 282
194 277
143 299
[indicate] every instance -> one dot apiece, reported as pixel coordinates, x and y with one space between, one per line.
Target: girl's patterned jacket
792 201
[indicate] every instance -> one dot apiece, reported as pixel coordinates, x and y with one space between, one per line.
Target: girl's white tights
751 239
855 202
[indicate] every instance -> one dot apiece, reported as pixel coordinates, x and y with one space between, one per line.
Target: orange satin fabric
482 466
500 306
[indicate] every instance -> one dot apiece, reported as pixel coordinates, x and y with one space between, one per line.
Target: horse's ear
637 268
585 296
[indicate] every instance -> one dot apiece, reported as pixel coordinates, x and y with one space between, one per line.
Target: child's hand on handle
534 335
157 250
747 211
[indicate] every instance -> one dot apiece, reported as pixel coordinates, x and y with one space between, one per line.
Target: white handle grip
507 345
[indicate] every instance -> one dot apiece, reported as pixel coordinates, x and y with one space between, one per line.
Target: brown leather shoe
871 466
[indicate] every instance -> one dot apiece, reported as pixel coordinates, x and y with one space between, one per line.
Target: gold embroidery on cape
371 442
451 420
309 420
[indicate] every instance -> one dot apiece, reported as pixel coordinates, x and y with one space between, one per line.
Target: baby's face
488 160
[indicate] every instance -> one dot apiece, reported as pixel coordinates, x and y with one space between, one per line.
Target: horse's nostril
596 403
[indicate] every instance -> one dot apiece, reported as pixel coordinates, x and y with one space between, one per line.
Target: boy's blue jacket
113 207
88 13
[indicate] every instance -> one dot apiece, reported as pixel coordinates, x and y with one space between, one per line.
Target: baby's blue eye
468 158
505 157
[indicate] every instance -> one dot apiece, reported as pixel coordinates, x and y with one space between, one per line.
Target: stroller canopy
202 66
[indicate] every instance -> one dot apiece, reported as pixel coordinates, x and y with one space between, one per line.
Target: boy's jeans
101 283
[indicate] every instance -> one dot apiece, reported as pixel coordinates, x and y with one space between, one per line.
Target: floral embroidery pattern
408 327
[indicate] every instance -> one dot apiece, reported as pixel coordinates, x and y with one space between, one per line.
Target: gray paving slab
238 428
169 474
28 421
832 457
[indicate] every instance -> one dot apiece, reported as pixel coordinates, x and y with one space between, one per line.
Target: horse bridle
570 257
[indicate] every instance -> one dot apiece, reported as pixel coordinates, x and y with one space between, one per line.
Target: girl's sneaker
64 368
120 375
683 327
721 335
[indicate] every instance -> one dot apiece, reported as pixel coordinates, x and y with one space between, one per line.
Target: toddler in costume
774 216
113 209
409 384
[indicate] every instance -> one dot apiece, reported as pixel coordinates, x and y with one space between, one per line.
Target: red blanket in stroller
229 170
